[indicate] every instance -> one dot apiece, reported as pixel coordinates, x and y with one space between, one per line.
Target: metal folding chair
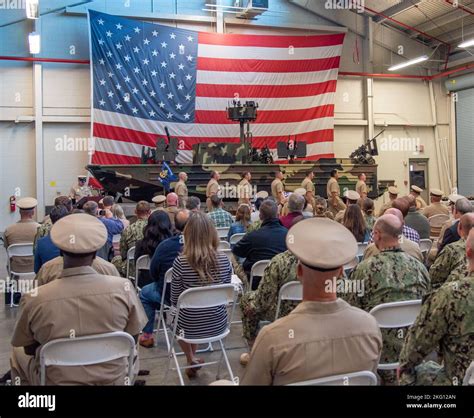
19 250
364 378
130 257
222 232
425 247
88 350
234 239
223 245
143 263
395 315
289 291
201 298
257 271
361 247
436 223
350 266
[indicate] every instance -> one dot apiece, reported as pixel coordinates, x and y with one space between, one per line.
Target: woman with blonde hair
200 264
117 211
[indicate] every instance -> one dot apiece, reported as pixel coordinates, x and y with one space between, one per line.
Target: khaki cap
321 243
453 198
436 192
393 190
159 199
301 191
27 203
79 233
352 195
416 189
262 193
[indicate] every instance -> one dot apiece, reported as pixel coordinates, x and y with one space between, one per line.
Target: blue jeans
150 296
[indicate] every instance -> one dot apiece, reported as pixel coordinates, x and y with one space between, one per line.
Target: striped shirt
199 323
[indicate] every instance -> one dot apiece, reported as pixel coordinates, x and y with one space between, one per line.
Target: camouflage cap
79 233
321 243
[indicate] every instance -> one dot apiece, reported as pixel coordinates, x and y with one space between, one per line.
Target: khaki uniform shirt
20 233
420 203
244 191
435 209
333 186
53 269
212 188
316 339
78 193
81 303
277 187
308 185
410 247
384 207
361 188
172 213
182 191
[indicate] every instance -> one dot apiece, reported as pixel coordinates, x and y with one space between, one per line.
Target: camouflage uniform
451 258
43 230
130 236
446 321
254 226
260 305
370 221
390 276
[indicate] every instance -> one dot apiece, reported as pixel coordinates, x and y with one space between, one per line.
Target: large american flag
146 77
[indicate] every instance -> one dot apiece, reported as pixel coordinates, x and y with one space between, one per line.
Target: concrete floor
153 359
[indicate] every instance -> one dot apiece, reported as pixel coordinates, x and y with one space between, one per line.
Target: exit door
419 176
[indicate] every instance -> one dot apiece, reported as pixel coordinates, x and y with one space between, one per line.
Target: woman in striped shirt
200 264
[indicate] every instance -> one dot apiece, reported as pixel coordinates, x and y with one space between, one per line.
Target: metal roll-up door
465 141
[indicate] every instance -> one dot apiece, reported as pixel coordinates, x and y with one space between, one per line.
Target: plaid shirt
407 232
221 218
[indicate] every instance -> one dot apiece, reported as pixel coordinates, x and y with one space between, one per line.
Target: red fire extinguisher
12 203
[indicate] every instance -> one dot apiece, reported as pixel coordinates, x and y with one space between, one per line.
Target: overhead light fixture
32 9
466 44
408 63
34 39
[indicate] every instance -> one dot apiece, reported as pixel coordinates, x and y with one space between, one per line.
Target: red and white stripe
292 78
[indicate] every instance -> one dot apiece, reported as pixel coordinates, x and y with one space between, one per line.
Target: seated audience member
321 208
45 249
296 204
159 201
410 247
242 221
308 211
453 255
351 197
265 242
117 212
193 204
368 208
436 207
390 276
46 225
162 260
260 305
452 199
354 221
327 335
256 213
415 220
156 231
219 217
200 264
172 206
130 236
444 325
23 231
83 301
461 207
403 205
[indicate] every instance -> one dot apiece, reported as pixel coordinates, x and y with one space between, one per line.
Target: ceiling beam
397 9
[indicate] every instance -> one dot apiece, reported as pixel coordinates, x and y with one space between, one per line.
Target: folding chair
228 253
116 243
364 378
257 271
19 250
164 309
223 232
289 291
234 239
223 245
88 350
130 257
395 315
425 247
436 223
201 298
361 247
350 266
143 263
